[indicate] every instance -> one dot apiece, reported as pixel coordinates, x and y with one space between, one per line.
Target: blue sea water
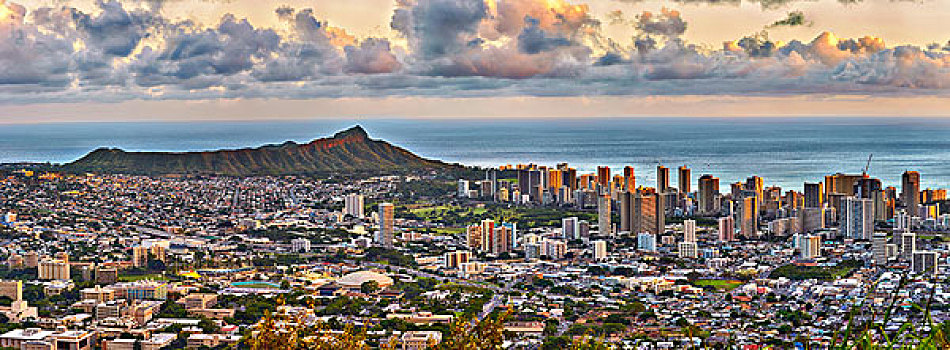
784 151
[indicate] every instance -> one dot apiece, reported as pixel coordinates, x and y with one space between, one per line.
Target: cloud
794 19
667 23
372 56
114 30
448 48
535 40
437 28
765 4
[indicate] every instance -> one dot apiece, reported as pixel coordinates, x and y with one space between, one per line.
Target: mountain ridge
349 150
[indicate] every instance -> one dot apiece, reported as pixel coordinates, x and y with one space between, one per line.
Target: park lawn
448 231
827 273
725 285
426 211
436 212
133 278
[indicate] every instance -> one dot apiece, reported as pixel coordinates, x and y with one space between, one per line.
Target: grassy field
724 285
438 211
448 231
133 278
795 272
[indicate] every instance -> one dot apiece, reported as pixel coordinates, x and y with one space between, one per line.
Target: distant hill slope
348 151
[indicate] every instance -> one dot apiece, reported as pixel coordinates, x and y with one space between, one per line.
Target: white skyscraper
689 231
463 188
353 205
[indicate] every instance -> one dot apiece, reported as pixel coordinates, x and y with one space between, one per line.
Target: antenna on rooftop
868 166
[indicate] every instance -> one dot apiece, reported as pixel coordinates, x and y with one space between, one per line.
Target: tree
369 287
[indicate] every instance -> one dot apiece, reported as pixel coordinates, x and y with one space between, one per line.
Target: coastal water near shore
784 151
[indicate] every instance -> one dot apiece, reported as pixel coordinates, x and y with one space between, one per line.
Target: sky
93 60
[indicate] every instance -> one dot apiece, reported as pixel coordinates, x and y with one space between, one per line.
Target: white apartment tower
353 205
689 231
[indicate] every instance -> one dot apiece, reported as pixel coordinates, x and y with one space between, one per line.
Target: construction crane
868 166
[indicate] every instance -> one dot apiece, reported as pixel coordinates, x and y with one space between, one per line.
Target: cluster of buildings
121 254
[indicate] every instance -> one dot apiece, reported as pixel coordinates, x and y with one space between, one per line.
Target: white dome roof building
355 280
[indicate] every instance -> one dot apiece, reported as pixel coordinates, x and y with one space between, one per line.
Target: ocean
784 151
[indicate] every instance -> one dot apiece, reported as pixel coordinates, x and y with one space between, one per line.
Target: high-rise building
933 195
857 220
603 214
684 180
487 235
629 179
689 231
813 195
688 250
384 237
646 241
809 246
727 229
910 192
530 183
463 188
902 222
569 228
867 186
300 245
502 239
555 179
757 185
12 289
569 178
583 229
879 248
603 176
53 270
646 213
843 184
626 211
353 205
662 179
474 237
600 250
908 245
555 249
925 262
794 200
748 217
708 195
